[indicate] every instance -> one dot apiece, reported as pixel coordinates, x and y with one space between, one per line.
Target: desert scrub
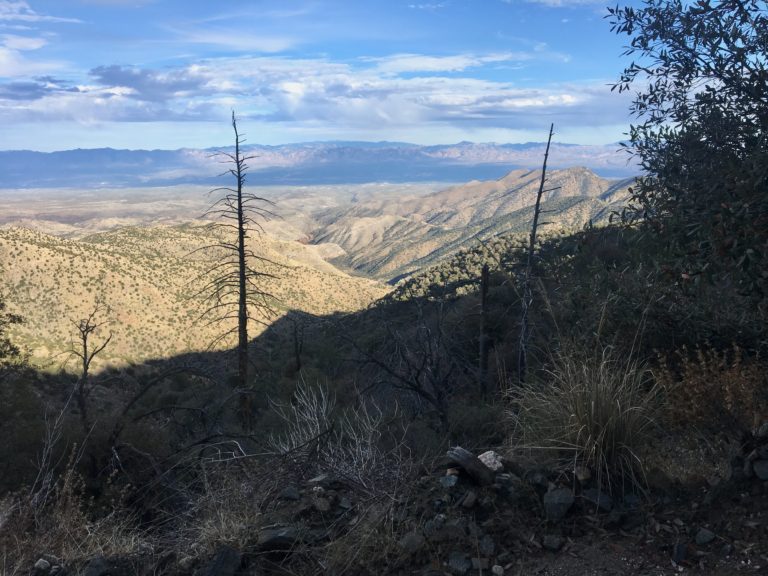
715 389
594 410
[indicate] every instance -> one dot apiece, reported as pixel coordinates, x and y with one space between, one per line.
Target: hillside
147 280
389 239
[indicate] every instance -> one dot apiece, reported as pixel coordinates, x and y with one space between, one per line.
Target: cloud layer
279 74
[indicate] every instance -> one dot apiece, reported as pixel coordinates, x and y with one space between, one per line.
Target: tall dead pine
234 289
526 290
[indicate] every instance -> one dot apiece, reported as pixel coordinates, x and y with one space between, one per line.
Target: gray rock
345 503
470 499
704 537
186 564
471 465
497 570
101 566
449 481
459 563
226 562
481 564
289 493
761 469
557 502
597 500
277 538
412 542
42 567
748 470
679 552
321 504
487 546
492 460
552 542
762 432
321 480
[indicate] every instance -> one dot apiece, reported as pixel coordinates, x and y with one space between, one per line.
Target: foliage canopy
702 114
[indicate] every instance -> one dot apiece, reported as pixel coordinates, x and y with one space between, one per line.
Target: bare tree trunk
483 352
242 316
527 293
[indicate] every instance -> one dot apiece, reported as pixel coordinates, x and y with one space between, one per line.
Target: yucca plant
594 410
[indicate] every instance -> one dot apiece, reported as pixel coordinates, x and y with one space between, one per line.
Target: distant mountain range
301 164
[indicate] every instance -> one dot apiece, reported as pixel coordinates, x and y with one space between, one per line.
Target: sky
167 74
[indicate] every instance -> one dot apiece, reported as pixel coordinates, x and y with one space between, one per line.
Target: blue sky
167 73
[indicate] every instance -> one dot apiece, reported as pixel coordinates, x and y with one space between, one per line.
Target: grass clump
595 411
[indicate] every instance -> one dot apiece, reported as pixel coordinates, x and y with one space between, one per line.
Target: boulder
470 463
226 562
492 460
557 502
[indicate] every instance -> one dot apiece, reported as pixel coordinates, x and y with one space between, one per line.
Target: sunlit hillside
146 279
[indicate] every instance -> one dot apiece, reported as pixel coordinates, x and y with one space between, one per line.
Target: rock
412 542
448 482
748 470
42 567
277 538
469 500
557 502
492 460
552 542
480 564
289 493
704 537
226 562
322 480
437 530
497 570
598 500
761 469
459 563
186 564
679 552
762 432
101 566
487 546
321 504
345 503
583 474
479 472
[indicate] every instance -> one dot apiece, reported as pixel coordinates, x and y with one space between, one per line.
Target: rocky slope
390 238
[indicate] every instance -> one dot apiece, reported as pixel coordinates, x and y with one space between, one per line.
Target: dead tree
86 350
527 292
233 288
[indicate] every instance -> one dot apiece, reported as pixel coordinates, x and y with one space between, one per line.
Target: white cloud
318 96
238 41
409 63
14 42
560 3
20 10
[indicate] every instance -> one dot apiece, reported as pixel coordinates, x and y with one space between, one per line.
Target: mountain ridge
300 163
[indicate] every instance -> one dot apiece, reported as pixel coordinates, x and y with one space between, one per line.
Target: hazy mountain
299 164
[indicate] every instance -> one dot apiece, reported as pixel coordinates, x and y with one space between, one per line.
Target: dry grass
717 390
596 411
61 522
